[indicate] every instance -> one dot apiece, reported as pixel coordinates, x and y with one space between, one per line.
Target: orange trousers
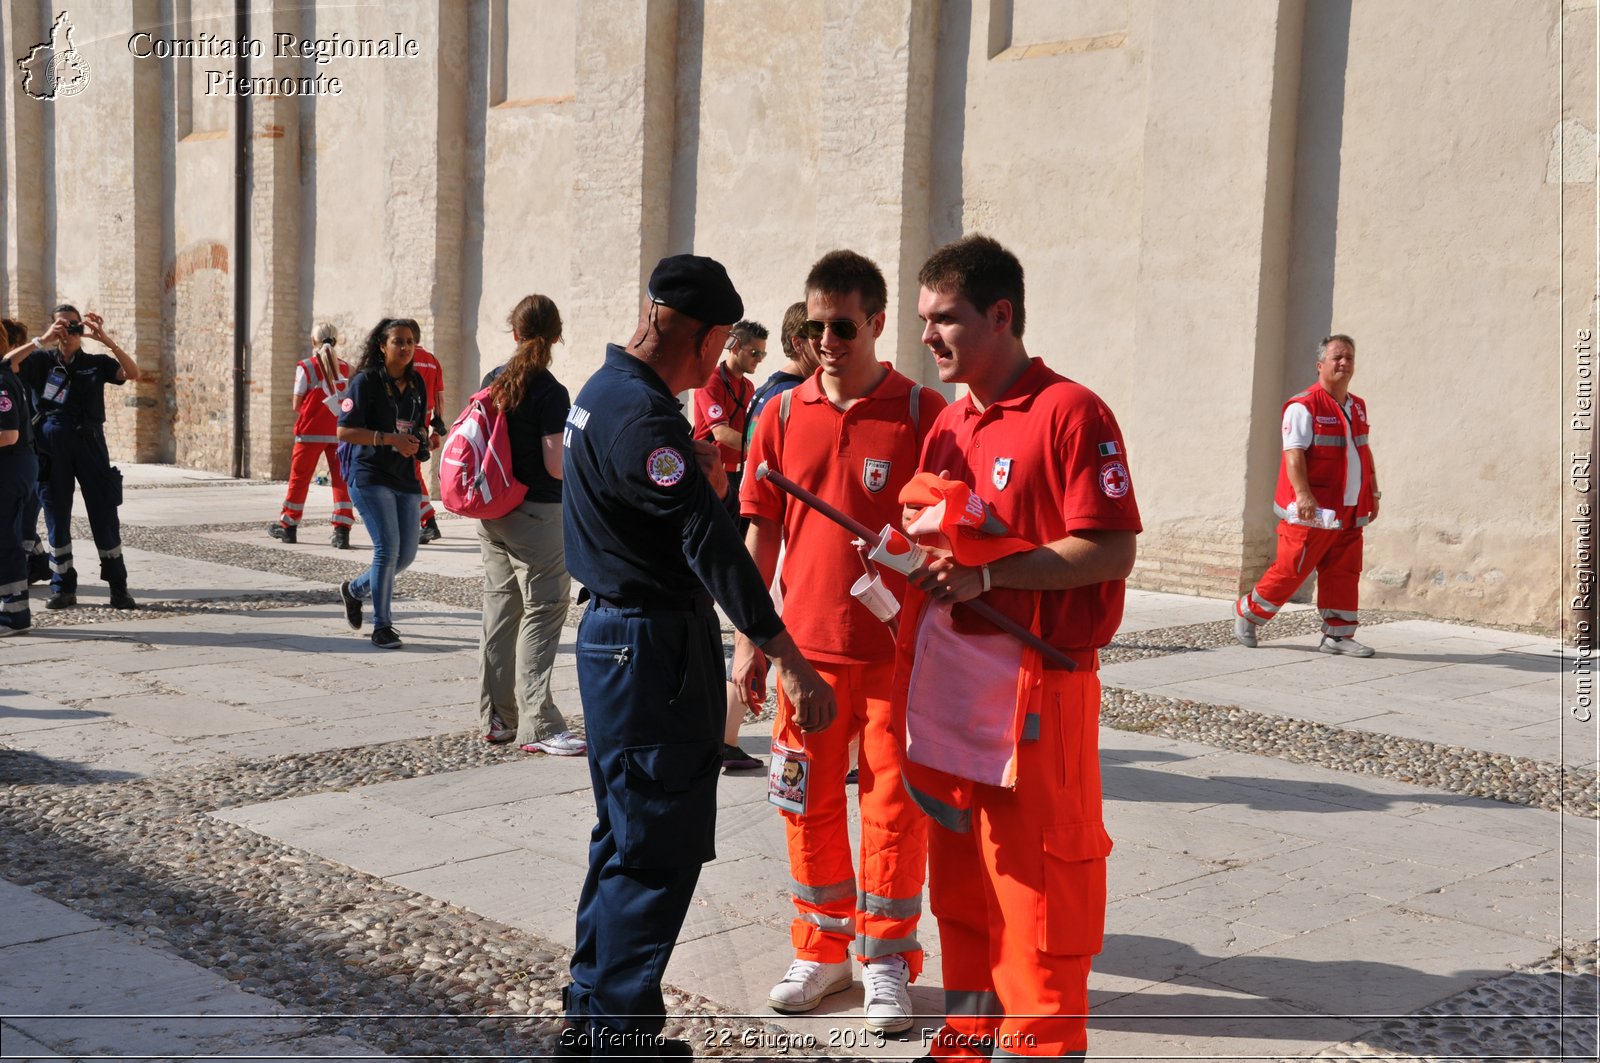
302 467
1021 896
1334 554
880 910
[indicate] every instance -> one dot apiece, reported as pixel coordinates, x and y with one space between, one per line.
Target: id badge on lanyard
57 385
789 778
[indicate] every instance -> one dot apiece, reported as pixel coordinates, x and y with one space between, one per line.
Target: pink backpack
475 478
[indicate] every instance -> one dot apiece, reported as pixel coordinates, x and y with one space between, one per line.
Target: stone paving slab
1438 682
140 1001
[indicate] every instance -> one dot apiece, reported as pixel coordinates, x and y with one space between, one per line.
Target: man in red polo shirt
851 434
1017 851
432 374
722 407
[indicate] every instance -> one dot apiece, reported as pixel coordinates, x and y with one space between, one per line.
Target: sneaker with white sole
564 744
888 1001
1347 647
499 732
806 983
1244 631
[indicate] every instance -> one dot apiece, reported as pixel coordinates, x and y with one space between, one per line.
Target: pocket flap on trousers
1078 841
673 767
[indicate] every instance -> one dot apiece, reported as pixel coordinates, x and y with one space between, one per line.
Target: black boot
61 600
341 537
281 531
120 598
430 531
39 567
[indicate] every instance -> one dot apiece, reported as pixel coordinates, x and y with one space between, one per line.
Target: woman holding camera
384 415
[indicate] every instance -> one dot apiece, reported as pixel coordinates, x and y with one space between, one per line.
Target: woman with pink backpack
526 589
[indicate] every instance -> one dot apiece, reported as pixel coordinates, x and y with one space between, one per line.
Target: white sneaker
1244 631
887 999
1347 647
564 744
806 983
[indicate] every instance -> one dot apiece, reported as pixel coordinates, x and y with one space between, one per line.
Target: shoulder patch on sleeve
665 466
715 410
1114 481
5 402
347 405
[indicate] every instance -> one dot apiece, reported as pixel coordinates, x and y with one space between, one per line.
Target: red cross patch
1114 479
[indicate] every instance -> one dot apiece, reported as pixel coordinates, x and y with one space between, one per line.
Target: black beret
696 286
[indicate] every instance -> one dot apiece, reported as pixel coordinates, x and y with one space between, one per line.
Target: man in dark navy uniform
19 487
68 388
649 538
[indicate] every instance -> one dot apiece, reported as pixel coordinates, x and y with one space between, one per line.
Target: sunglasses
844 328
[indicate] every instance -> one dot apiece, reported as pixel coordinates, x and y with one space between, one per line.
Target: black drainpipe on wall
241 240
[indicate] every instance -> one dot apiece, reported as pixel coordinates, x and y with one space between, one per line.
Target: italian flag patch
1108 449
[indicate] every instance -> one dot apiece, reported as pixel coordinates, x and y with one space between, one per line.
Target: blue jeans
391 518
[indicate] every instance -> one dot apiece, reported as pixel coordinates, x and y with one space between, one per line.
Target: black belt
693 603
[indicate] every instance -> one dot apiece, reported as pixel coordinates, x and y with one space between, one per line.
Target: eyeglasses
844 328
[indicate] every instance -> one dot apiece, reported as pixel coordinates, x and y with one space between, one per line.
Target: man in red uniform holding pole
850 434
1327 493
1018 850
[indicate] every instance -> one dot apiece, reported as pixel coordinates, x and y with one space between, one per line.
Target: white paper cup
870 592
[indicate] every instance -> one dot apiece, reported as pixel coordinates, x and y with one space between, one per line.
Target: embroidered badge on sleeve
665 466
347 405
1114 480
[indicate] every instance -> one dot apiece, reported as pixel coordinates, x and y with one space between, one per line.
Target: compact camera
75 329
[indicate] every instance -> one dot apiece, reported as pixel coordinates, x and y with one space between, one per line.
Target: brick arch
204 254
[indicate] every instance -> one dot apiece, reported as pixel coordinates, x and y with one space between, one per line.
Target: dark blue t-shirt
14 414
776 385
640 519
375 401
73 391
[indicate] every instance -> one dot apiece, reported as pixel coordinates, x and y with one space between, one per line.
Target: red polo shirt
432 374
857 460
1049 458
724 400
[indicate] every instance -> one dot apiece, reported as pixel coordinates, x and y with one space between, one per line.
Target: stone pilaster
1219 163
877 82
625 103
277 320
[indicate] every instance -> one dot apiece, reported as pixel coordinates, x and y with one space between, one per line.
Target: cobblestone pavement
376 964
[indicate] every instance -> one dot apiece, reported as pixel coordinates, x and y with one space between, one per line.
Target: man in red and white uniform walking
316 379
1017 852
1327 494
851 434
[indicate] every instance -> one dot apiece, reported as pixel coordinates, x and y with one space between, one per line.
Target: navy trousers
77 457
19 492
653 707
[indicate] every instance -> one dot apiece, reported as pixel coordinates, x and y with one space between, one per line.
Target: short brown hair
979 270
794 323
838 273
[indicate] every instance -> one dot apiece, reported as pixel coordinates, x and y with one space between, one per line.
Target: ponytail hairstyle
323 337
537 325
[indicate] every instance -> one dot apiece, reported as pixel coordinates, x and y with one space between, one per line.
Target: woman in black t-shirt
384 413
525 584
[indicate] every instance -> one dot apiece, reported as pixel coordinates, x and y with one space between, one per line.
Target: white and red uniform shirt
1339 462
314 422
857 460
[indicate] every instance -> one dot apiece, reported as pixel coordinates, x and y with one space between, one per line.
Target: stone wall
1198 192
